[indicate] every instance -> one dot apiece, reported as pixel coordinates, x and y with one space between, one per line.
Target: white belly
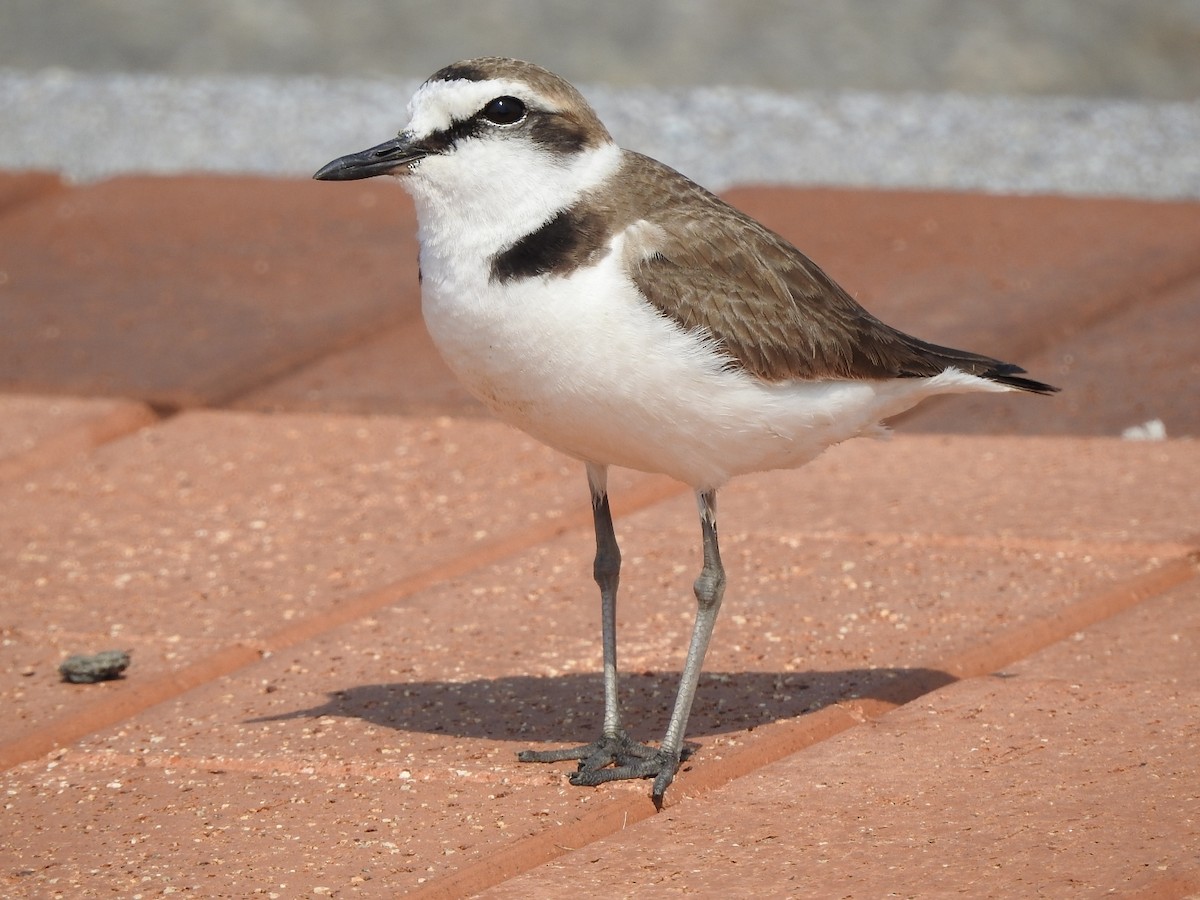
585 365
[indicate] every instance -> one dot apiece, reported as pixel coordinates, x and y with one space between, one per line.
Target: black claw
661 782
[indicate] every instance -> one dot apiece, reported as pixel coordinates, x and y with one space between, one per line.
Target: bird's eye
504 111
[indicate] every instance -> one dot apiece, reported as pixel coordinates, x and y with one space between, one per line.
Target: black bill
380 160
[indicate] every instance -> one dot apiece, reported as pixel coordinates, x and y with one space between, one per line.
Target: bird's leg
710 589
614 747
606 569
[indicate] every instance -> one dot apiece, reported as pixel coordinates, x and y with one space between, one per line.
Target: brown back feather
772 309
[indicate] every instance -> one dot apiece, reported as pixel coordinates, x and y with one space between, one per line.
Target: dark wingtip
1009 374
987 367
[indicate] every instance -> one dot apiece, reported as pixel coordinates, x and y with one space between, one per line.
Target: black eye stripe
548 130
445 140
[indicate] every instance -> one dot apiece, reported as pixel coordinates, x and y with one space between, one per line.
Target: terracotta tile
216 531
180 291
1138 366
415 715
1061 493
21 187
399 372
219 504
45 431
1072 774
411 712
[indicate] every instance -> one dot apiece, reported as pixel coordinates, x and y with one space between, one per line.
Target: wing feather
776 314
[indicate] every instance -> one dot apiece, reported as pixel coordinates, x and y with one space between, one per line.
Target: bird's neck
466 210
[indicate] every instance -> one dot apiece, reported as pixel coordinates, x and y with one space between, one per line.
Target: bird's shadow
570 707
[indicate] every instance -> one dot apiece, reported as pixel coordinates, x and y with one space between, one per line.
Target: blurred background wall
1136 49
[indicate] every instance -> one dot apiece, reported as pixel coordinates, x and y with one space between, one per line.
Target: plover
617 311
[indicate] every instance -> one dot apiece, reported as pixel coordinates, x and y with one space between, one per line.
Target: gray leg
710 589
614 746
606 569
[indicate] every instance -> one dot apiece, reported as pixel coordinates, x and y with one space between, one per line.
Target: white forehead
438 104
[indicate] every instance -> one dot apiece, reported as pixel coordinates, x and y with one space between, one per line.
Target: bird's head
492 127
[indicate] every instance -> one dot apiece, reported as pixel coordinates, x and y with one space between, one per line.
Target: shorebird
617 311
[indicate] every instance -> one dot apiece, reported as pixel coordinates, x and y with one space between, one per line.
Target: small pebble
87 669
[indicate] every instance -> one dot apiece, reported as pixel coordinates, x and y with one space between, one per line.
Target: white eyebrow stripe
437 105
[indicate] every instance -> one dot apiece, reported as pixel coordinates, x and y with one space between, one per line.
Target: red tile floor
958 662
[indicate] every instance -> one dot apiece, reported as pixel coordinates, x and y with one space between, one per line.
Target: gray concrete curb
94 126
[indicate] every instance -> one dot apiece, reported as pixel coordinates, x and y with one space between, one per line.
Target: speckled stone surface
383 747
1071 773
43 431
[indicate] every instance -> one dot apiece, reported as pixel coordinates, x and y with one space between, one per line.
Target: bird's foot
615 759
616 750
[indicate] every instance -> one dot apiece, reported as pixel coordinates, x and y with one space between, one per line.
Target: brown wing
773 310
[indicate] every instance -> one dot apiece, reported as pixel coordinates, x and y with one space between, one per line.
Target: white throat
485 196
